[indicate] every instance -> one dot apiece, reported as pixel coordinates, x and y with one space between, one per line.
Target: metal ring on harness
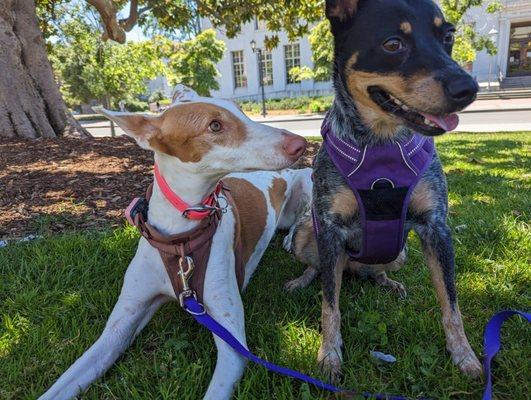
382 179
196 313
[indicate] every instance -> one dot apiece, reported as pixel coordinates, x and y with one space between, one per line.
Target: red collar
204 210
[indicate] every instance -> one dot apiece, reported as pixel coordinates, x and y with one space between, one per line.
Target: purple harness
383 179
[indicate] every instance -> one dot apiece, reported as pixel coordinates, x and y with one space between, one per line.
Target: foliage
321 43
468 41
193 62
301 104
157 95
135 105
56 295
89 68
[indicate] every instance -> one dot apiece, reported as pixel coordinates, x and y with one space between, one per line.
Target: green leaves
193 62
468 42
322 45
91 69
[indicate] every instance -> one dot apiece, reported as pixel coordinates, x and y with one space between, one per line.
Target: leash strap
492 343
198 311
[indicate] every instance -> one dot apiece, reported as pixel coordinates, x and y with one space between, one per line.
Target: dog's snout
462 90
293 145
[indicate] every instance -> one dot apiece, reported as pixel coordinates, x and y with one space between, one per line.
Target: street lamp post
258 53
493 34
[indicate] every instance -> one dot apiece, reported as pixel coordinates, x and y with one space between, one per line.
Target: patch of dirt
56 185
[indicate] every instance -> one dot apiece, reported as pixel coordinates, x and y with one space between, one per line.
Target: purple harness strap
383 179
492 344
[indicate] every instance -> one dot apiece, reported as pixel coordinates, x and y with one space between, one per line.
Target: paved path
498 121
481 121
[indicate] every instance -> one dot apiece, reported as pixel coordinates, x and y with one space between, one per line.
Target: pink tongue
446 122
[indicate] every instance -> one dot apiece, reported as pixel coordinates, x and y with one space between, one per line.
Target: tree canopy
91 69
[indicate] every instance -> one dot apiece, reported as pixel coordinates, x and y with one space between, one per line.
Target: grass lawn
56 294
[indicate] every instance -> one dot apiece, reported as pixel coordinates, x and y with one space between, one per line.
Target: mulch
57 185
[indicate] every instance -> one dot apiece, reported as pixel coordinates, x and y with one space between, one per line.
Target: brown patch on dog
438 21
305 244
372 115
422 199
252 207
329 354
277 194
420 92
456 340
344 203
406 27
343 9
353 60
184 131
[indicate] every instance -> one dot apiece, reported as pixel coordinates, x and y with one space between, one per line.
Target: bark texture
31 105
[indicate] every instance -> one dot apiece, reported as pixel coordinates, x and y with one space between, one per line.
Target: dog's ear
140 127
341 10
183 94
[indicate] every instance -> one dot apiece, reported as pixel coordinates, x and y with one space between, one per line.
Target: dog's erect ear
140 127
341 9
183 94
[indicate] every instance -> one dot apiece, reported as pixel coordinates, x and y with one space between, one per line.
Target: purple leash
492 343
198 311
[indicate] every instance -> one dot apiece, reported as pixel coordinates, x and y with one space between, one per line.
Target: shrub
300 104
135 105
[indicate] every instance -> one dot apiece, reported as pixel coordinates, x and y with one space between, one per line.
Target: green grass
56 293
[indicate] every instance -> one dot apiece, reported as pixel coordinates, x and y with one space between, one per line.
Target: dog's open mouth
423 123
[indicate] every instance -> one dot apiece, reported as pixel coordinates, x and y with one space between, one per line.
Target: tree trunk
31 105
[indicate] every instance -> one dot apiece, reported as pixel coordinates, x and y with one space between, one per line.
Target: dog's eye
215 126
449 38
394 45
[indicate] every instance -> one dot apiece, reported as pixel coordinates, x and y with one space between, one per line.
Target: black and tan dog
393 75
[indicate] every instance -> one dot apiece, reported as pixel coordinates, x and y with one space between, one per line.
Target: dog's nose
462 91
293 145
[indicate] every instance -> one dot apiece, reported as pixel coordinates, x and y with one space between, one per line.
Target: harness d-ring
196 313
384 180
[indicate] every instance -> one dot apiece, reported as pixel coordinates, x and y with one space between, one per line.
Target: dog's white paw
330 364
469 365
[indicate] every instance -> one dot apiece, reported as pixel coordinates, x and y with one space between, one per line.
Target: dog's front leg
139 299
439 252
223 301
332 259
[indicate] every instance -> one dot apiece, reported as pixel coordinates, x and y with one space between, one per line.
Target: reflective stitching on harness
417 146
405 160
410 140
342 152
348 145
361 162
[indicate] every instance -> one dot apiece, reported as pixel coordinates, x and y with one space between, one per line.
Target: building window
238 69
292 57
267 67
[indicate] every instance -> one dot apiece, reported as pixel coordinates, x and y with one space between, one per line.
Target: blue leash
492 345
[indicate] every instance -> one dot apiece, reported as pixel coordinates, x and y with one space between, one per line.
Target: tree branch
108 14
128 23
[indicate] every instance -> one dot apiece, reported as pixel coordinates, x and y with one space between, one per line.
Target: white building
510 29
239 66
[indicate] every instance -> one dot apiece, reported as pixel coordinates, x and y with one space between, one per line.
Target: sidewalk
476 107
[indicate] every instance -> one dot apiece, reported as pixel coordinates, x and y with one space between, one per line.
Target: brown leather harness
185 255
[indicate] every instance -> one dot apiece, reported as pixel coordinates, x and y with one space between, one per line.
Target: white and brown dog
197 142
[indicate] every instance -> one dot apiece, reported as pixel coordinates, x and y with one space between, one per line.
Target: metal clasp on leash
185 272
